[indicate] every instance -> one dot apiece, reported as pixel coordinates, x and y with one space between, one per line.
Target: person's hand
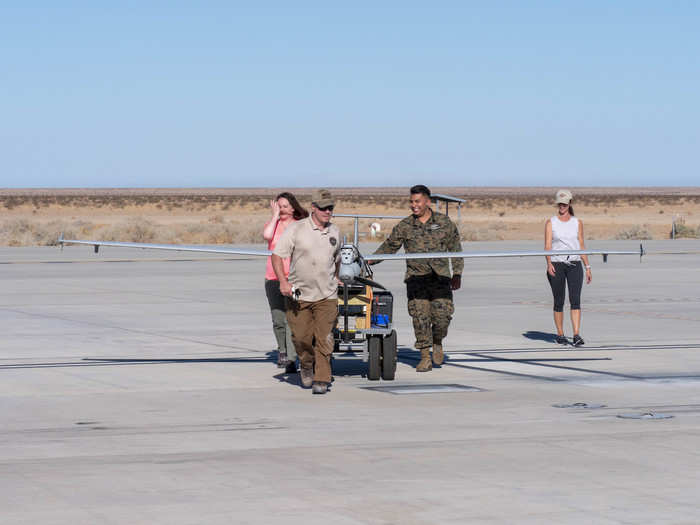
275 208
589 277
456 282
550 269
285 288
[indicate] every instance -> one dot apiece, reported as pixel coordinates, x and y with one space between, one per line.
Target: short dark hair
420 188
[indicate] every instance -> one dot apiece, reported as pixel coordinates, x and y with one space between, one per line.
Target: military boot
425 364
438 354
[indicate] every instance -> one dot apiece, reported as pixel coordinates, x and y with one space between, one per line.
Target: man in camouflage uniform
429 283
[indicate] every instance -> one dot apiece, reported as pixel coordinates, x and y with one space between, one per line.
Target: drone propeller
369 282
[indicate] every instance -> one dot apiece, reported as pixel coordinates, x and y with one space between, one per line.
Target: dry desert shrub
637 233
17 232
232 216
206 233
23 232
489 232
684 231
136 229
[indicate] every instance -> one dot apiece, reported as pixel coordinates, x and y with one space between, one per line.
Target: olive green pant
430 307
278 310
312 326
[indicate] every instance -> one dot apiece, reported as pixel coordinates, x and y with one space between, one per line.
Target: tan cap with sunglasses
322 198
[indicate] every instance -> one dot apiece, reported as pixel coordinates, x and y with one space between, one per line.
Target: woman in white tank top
564 231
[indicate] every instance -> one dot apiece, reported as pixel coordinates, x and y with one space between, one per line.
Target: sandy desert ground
236 215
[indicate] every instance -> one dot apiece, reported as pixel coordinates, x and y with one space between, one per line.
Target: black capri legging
572 273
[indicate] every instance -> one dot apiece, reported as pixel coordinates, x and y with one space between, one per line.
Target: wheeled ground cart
365 323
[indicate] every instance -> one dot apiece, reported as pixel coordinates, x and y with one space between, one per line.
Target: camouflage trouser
430 306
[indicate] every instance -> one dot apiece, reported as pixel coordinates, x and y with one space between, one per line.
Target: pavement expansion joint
645 415
424 389
579 405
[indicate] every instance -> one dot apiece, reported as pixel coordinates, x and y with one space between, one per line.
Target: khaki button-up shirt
314 252
438 234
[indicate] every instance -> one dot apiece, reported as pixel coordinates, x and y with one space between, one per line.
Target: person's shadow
349 364
292 379
540 336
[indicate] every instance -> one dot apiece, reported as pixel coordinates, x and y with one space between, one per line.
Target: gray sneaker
307 377
319 388
282 359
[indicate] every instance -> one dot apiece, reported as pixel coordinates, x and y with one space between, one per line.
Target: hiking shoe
291 368
307 377
425 364
577 341
562 340
319 388
438 354
282 359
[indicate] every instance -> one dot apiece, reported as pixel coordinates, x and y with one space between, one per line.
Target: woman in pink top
285 209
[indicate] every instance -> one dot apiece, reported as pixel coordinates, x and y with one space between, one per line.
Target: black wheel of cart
389 356
374 363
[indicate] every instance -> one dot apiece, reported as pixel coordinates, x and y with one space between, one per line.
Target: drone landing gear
389 356
381 360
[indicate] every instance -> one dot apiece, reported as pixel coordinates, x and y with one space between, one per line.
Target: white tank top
565 237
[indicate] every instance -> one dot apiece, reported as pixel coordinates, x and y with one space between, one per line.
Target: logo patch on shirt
333 241
434 227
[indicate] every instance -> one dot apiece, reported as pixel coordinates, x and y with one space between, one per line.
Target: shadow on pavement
129 361
292 379
540 336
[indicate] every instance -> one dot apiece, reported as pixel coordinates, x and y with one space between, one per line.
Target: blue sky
197 94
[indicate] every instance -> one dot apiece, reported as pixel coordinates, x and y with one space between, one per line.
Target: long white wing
469 255
365 216
372 257
171 247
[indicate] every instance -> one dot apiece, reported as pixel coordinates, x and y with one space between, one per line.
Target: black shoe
562 340
577 340
291 368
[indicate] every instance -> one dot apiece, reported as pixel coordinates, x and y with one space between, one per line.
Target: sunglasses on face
326 208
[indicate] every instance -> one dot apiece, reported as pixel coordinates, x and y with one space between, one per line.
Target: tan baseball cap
563 197
322 198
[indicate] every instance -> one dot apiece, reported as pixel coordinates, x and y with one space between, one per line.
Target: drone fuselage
350 264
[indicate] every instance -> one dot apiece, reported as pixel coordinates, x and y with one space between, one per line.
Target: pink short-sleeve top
269 271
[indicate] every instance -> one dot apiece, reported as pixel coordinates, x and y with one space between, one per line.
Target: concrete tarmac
139 388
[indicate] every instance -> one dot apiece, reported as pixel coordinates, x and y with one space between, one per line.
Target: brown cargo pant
312 326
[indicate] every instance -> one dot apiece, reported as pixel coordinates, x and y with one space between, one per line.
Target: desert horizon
37 216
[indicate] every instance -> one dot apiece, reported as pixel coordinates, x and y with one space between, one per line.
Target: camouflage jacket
438 234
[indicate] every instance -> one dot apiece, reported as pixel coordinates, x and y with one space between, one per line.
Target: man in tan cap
313 244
